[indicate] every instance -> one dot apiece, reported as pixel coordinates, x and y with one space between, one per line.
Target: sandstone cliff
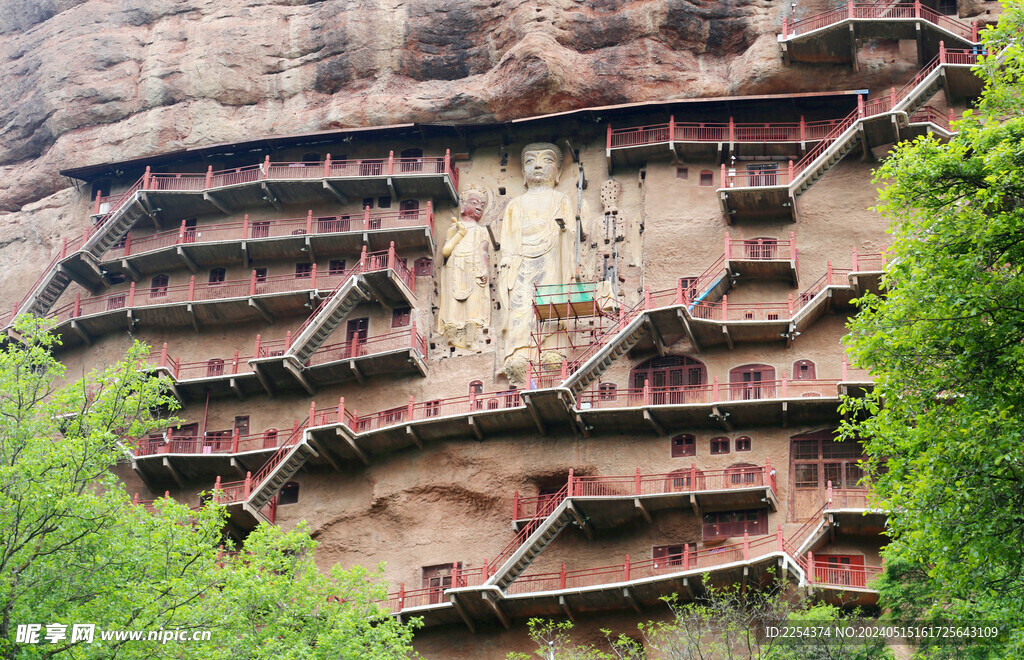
90 81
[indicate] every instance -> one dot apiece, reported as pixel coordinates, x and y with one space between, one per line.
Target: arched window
741 475
761 248
674 379
684 445
752 381
289 493
743 443
158 286
270 438
684 480
606 391
720 445
423 267
803 370
215 367
476 388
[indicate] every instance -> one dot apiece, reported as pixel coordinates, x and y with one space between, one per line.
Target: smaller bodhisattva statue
465 292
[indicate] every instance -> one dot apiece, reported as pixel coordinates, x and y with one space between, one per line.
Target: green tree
74 549
945 422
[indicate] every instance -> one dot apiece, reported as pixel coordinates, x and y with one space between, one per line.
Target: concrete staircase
277 472
617 345
326 318
541 538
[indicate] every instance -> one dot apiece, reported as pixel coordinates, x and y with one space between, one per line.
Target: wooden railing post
638 481
686 556
515 505
252 285
693 476
234 363
860 105
256 348
790 172
570 486
561 573
391 162
287 340
485 571
723 177
312 413
714 390
785 28
216 489
725 308
917 8
855 267
131 295
147 178
456 576
942 52
392 258
312 276
234 442
135 498
191 288
181 232
366 218
746 546
789 305
785 385
401 596
412 407
803 127
849 7
96 206
608 138
810 567
447 161
341 410
430 215
163 355
671 128
327 166
792 246
647 392
248 484
362 255
732 130
209 177
829 490
76 312
266 167
779 539
128 244
309 222
679 292
564 372
625 569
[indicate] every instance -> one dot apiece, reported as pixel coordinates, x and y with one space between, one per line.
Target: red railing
869 263
761 249
880 11
460 405
834 574
278 228
213 443
194 291
238 491
676 395
730 131
540 512
744 551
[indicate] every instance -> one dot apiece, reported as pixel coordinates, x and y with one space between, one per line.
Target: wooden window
743 443
384 202
437 579
606 391
803 370
409 209
217 441
184 439
719 445
845 570
331 223
423 267
683 480
818 459
259 229
707 178
689 287
668 556
684 445
674 379
760 249
368 202
476 388
158 286
214 367
752 381
763 174
336 267
217 275
188 231
741 475
682 173
289 493
270 438
432 408
412 160
724 524
400 317
303 270
261 275
242 424
117 301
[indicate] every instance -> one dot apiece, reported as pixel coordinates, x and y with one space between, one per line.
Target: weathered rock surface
91 81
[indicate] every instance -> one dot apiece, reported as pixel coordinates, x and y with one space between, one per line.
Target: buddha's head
473 203
542 164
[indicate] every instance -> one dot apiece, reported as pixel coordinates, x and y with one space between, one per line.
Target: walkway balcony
763 258
611 501
714 141
302 238
280 184
833 36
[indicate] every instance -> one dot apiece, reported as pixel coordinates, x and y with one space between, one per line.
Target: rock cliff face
91 81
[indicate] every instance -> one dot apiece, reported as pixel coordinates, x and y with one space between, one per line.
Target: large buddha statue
538 247
465 296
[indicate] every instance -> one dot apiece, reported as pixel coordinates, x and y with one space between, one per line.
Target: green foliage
946 348
74 549
724 623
